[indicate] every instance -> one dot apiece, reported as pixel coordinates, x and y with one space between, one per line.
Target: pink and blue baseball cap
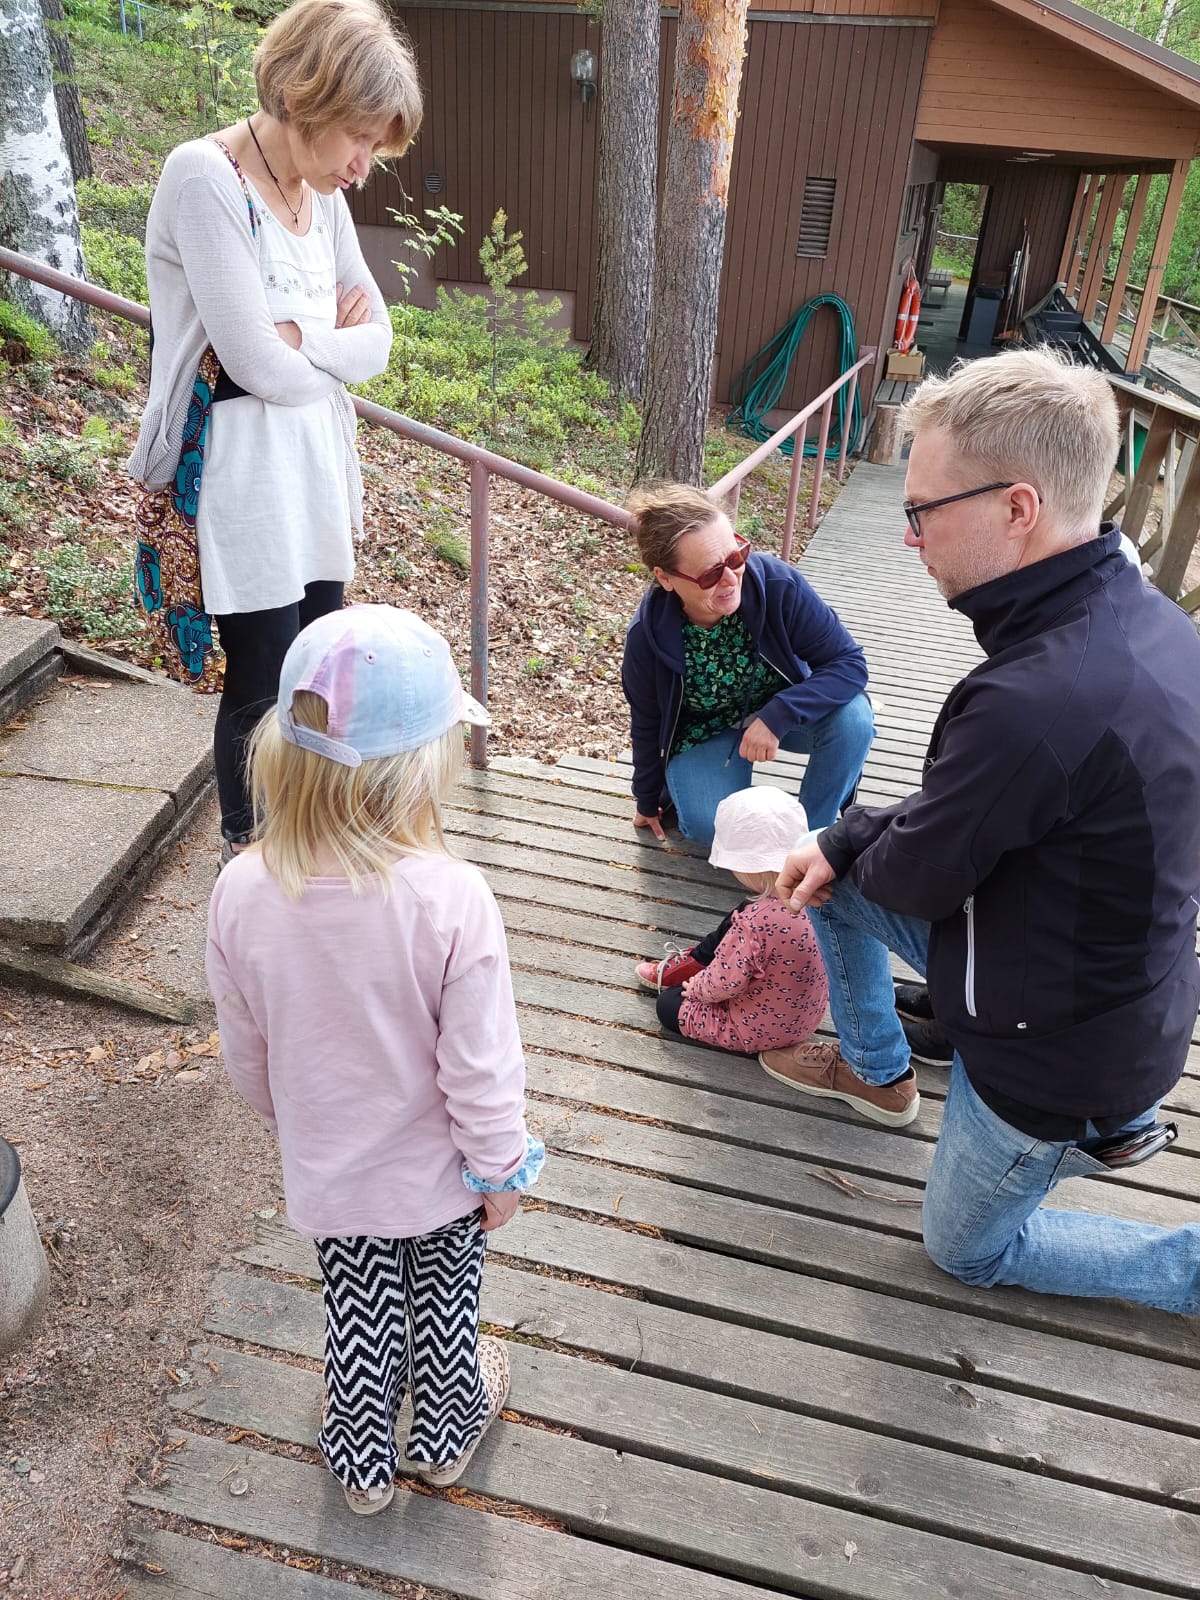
387 678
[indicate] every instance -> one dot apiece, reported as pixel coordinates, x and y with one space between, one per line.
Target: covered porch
1065 119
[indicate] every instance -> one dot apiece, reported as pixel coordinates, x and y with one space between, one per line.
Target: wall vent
816 216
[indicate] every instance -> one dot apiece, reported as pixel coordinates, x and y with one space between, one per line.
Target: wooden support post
1128 245
1181 535
1162 426
1071 243
1102 237
1158 265
885 437
1092 204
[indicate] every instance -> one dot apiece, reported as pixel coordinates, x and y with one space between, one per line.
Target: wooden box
909 368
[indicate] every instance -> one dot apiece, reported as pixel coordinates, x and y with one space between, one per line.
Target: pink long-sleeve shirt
765 988
378 1036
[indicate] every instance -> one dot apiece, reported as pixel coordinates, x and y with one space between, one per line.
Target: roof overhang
1118 46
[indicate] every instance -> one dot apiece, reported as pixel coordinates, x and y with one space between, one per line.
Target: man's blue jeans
700 778
982 1217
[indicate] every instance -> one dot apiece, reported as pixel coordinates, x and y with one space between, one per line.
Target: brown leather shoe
820 1069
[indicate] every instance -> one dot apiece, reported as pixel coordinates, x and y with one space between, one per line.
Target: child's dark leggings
400 1315
255 643
670 1000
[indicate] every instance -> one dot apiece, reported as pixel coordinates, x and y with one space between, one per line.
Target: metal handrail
729 487
486 464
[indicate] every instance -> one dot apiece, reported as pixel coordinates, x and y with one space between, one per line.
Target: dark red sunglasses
711 576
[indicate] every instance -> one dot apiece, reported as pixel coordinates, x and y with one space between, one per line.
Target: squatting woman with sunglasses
730 657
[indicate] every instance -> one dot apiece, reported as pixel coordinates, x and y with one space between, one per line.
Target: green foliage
536 667
16 513
23 339
68 460
87 595
448 544
116 262
446 227
962 215
115 207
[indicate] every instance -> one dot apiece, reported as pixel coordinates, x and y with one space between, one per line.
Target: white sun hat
756 828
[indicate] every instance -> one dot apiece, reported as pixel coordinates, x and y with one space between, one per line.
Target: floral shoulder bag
167 569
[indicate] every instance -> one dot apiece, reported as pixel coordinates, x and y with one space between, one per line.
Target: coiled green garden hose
755 396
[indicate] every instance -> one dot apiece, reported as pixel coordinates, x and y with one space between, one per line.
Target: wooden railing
484 464
1166 533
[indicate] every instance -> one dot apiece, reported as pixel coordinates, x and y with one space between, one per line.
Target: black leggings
255 643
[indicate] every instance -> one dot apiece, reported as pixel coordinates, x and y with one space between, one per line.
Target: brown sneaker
819 1069
493 1369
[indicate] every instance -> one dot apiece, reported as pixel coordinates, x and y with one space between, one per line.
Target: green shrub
116 262
87 595
115 207
68 460
27 338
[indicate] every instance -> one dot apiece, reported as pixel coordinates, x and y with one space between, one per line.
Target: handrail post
480 480
819 463
847 417
789 526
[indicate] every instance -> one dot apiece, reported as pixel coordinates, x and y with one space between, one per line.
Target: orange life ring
906 317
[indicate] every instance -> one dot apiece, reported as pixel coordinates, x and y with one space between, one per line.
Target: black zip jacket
1054 844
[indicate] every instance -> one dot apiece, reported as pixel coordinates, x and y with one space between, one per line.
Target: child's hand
499 1209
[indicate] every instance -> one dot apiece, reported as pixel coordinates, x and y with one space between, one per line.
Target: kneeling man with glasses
1045 875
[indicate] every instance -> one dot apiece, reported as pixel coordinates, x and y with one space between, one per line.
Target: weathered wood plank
651 916
178 1568
792 1181
868 1393
473 1554
752 1444
1032 1361
641 885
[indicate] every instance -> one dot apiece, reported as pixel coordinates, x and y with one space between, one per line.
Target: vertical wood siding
991 80
505 127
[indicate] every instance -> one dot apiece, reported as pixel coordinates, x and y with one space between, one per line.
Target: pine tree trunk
38 213
691 238
66 93
628 174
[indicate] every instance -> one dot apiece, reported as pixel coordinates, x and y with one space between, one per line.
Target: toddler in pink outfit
756 982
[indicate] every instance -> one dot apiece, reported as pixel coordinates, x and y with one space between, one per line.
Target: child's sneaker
677 968
493 1369
369 1502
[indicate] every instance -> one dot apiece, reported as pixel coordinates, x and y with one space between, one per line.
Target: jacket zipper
666 752
969 908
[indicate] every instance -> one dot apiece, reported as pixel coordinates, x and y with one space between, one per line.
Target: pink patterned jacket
765 988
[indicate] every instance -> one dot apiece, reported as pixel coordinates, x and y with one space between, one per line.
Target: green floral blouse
724 680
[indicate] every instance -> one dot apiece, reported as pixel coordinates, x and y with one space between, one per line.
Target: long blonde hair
365 816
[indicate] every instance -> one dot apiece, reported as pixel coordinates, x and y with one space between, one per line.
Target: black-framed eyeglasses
913 512
711 576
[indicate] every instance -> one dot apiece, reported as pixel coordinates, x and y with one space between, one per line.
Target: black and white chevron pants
401 1315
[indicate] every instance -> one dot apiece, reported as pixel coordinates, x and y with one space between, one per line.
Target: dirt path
144 1171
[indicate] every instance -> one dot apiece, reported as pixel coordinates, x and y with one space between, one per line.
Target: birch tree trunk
38 212
628 176
709 51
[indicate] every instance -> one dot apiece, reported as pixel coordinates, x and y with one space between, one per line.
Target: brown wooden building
867 107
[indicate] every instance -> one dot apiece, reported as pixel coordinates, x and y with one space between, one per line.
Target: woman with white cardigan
262 310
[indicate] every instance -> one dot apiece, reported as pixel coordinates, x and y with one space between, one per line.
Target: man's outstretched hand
807 878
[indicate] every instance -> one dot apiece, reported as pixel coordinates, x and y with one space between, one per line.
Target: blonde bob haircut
307 807
665 513
1029 416
326 64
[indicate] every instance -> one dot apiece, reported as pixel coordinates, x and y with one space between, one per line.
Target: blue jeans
699 779
982 1217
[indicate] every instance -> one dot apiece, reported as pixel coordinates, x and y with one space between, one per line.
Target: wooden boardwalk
735 1373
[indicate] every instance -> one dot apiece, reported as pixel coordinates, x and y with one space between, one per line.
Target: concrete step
29 662
96 777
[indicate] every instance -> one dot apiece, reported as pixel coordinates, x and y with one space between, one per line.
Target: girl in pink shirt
758 976
360 975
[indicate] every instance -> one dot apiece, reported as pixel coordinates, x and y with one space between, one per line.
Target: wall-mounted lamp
583 74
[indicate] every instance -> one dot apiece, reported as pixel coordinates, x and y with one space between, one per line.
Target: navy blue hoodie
1054 844
793 630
